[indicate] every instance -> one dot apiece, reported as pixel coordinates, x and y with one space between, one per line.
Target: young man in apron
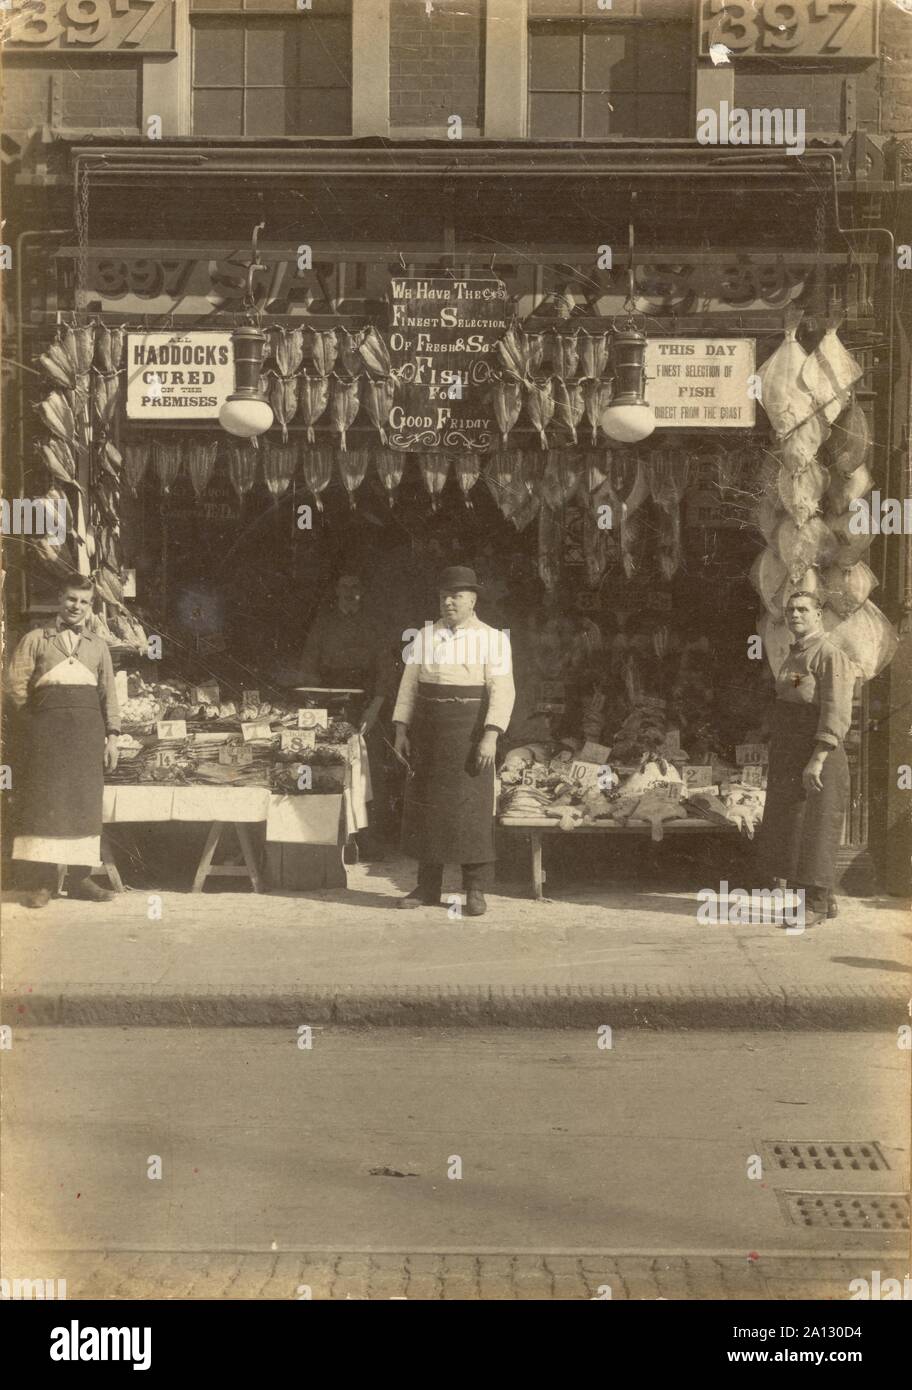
62 680
455 696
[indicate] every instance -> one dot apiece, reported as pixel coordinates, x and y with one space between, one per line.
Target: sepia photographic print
457 673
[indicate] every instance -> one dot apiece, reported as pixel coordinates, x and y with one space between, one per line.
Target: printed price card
298 740
250 697
746 753
698 774
166 729
235 755
259 730
165 757
313 719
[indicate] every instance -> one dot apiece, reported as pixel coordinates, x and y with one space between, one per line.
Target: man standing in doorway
455 696
62 679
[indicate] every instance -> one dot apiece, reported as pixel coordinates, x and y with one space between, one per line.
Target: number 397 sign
792 28
96 26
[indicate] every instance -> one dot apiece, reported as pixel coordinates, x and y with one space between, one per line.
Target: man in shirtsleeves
808 779
62 679
455 696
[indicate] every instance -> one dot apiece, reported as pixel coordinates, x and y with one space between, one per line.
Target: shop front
643 438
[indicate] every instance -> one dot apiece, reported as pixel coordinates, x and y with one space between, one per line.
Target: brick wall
822 96
75 93
436 64
896 47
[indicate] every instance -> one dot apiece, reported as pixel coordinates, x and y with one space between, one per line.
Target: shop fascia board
110 161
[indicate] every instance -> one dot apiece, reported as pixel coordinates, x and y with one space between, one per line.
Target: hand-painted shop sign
178 376
703 383
798 29
441 335
91 26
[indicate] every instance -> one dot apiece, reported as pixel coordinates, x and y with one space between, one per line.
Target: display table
538 826
313 820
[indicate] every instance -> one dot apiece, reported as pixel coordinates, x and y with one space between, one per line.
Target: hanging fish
201 457
849 440
374 353
80 343
110 344
506 400
668 474
867 637
784 399
830 372
800 547
166 457
593 475
377 397
242 462
848 589
467 467
540 407
344 404
59 461
594 351
324 349
846 488
105 400
57 364
57 415
800 492
136 460
768 574
560 480
353 465
598 545
565 355
435 469
851 545
317 466
284 397
596 399
390 467
287 346
313 398
569 404
502 469
349 358
110 460
800 446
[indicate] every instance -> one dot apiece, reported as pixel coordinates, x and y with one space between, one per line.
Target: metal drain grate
826 1156
847 1211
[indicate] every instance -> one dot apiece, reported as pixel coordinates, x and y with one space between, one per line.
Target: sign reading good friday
178 376
442 336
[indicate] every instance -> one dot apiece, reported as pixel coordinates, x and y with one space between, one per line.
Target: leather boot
428 890
88 891
475 905
40 897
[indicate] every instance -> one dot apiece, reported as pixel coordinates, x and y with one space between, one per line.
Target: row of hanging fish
809 482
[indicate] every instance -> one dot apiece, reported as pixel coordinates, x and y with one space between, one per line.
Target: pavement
605 954
453 1163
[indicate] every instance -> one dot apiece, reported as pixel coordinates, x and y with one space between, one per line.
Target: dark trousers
477 876
815 899
35 875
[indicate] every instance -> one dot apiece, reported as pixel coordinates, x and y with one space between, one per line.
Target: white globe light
245 416
628 424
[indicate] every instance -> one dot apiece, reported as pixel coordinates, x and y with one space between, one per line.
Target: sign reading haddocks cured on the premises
442 336
178 376
701 382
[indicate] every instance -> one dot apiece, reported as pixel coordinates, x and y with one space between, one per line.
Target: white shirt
470 654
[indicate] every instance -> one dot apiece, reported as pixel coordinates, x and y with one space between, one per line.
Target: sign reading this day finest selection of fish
701 382
174 376
442 333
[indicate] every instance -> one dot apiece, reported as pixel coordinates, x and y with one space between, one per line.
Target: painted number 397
84 21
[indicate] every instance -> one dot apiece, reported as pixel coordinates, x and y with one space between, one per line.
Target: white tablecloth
300 820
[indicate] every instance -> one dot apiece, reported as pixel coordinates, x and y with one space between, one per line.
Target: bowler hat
458 577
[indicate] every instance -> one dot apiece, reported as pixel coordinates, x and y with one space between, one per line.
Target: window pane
321 113
218 55
266 112
325 53
598 118
272 51
554 115
665 57
555 7
554 60
217 113
611 60
664 115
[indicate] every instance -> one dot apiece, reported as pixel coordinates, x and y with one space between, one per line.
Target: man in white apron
62 679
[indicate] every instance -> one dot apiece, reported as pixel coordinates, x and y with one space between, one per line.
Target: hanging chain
81 192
